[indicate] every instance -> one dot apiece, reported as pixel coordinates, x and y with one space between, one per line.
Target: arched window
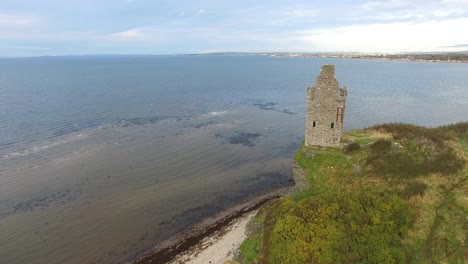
332 125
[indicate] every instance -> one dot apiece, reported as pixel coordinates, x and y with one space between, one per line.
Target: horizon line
233 52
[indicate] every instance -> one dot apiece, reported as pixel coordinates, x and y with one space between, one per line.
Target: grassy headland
397 193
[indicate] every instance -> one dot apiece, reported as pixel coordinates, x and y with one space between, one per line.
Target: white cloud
48 36
300 12
146 33
385 5
394 25
415 10
390 37
13 21
129 34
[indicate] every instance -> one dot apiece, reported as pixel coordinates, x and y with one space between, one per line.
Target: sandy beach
219 247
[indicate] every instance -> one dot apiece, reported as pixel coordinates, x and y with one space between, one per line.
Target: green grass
365 141
446 245
325 171
464 144
361 137
249 250
358 133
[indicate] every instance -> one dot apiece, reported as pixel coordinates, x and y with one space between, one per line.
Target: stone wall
325 110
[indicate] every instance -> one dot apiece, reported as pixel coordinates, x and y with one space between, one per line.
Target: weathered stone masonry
325 110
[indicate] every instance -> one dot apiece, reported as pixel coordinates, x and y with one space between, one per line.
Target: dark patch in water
271 106
44 201
242 138
288 149
265 105
196 214
5 145
124 122
286 111
71 128
187 218
201 125
266 180
138 121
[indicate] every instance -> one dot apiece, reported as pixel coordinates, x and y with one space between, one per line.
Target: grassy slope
400 196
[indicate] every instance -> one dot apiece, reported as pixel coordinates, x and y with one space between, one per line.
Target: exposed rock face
325 110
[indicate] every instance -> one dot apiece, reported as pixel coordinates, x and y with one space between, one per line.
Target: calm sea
102 158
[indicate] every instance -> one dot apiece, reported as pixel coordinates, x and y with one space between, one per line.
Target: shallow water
102 158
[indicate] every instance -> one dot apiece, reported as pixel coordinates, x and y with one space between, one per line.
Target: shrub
445 163
352 147
414 188
344 227
460 129
381 146
418 133
414 159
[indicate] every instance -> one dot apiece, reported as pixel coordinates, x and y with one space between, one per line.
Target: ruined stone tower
325 110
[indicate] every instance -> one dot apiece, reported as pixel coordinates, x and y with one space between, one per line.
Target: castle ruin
325 110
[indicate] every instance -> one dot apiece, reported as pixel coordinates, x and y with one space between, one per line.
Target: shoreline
182 243
221 246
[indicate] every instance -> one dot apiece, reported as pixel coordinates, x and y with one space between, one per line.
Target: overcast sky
71 27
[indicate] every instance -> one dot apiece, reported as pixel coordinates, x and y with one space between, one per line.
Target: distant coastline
435 57
446 57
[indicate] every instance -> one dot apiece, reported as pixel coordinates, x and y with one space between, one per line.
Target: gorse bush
343 227
423 151
352 147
